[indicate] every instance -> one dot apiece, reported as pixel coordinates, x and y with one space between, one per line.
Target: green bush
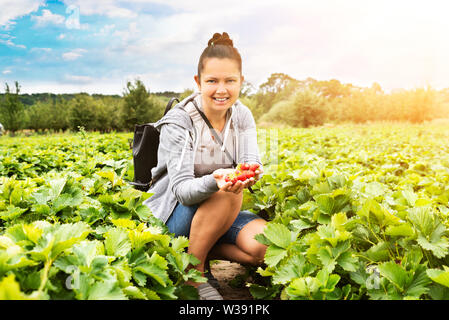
139 106
304 108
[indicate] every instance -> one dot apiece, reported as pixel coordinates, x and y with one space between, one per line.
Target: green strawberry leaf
278 234
393 272
295 267
402 230
10 289
274 255
107 290
439 276
117 242
419 284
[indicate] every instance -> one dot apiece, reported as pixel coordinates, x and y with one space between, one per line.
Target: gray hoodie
176 153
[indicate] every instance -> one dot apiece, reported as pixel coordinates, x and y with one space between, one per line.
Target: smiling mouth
221 99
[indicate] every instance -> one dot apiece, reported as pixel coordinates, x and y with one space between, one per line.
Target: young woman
193 198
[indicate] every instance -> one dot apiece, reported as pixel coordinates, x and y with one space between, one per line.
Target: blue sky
96 46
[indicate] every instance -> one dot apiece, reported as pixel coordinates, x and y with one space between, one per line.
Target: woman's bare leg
211 220
247 250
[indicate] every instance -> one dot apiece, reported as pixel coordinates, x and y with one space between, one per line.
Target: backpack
145 144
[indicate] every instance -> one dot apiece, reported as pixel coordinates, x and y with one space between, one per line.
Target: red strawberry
254 166
241 177
242 172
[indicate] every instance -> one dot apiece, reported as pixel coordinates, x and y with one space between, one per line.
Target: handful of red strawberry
243 172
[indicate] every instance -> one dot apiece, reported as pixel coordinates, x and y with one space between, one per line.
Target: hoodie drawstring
226 133
183 151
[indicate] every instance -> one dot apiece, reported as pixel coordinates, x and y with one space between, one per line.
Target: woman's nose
221 87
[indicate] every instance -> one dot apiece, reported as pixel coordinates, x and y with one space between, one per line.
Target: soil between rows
225 271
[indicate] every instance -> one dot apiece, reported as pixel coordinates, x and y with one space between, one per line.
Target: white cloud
9 43
13 9
8 25
73 84
110 8
106 30
171 78
6 71
396 43
47 18
74 54
77 79
47 50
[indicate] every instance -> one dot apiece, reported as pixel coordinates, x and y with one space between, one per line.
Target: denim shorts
181 219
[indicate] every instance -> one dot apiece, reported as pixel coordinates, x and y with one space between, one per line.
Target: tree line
104 113
281 100
303 103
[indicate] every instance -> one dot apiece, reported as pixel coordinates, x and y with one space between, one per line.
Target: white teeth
221 100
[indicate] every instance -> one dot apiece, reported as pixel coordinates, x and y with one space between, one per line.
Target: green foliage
12 109
278 87
185 94
139 107
72 228
50 112
281 101
332 89
302 109
318 102
355 212
48 115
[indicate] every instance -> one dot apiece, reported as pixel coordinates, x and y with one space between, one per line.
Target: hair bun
220 39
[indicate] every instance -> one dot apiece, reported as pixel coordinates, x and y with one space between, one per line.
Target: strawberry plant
354 212
74 229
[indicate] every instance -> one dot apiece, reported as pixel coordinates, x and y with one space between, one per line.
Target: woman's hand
253 180
219 176
238 187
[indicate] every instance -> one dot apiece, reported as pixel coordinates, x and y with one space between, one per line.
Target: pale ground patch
225 271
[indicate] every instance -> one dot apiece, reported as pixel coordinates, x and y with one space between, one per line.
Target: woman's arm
177 149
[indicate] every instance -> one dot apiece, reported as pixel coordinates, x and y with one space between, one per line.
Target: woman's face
220 83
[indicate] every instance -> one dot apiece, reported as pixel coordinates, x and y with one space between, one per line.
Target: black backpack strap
170 103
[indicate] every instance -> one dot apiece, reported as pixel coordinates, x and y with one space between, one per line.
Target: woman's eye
214 81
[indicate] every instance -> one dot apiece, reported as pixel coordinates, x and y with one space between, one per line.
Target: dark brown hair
220 46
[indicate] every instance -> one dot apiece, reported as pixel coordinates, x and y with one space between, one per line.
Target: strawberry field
355 212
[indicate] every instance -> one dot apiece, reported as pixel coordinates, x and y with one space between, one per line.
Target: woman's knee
245 240
218 211
257 254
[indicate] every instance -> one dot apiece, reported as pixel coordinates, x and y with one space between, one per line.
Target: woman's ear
197 80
